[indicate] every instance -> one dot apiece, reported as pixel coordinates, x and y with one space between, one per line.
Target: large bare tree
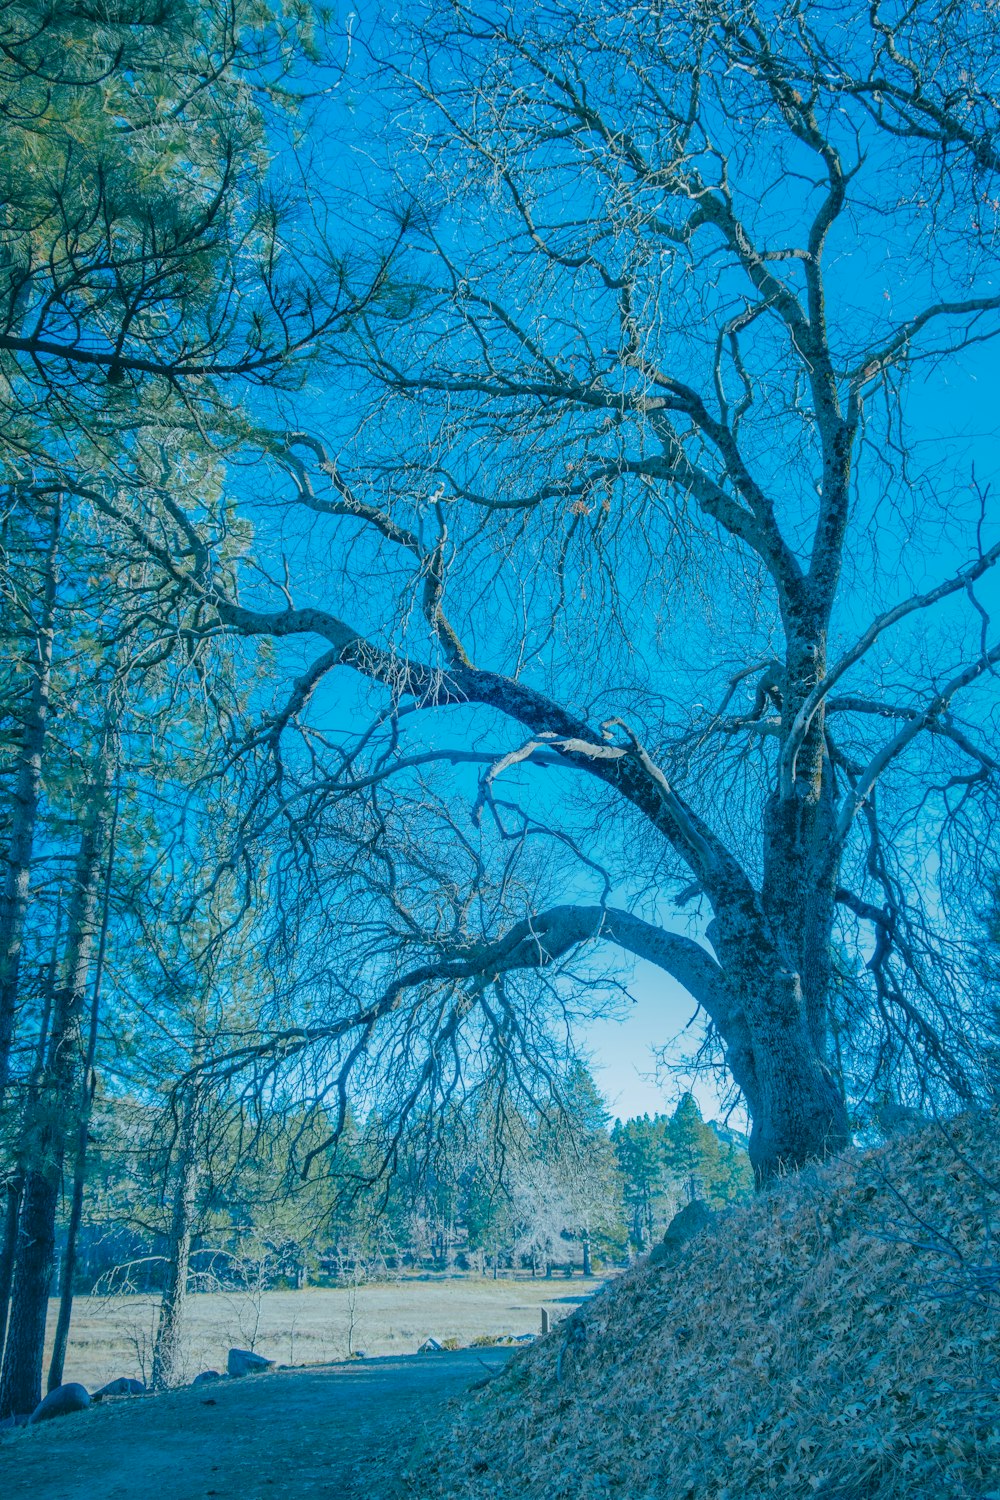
649 517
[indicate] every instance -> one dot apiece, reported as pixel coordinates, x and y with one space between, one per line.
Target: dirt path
344 1432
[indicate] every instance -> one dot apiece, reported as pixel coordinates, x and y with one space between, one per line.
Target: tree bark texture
50 1127
27 791
88 1087
167 1351
14 1189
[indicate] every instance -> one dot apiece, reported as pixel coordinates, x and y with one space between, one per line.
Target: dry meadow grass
839 1338
113 1336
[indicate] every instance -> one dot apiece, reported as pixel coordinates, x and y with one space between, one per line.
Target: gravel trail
343 1431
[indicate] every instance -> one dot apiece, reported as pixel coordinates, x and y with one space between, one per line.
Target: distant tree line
560 1194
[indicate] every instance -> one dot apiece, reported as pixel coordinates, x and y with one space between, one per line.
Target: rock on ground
61 1402
685 1226
245 1362
123 1386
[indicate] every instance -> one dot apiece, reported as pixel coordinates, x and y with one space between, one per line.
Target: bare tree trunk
167 1349
800 1112
49 1131
89 1084
796 1106
27 790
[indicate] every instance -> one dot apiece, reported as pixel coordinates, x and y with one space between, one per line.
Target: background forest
567 1198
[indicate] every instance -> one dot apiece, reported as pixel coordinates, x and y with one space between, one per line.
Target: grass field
113 1336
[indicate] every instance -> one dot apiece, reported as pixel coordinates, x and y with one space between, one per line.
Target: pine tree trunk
89 1082
167 1349
49 1131
21 1388
14 1191
16 885
27 791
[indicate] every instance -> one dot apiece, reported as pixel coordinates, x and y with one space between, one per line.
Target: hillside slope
838 1338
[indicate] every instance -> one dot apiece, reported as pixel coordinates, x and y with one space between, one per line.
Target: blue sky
623 1049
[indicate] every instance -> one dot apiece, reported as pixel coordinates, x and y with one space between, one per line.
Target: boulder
245 1362
206 1376
123 1386
691 1220
684 1226
61 1402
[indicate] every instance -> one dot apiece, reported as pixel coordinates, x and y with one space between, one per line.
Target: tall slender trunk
15 889
49 1132
27 791
89 1084
14 1187
167 1349
12 1190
